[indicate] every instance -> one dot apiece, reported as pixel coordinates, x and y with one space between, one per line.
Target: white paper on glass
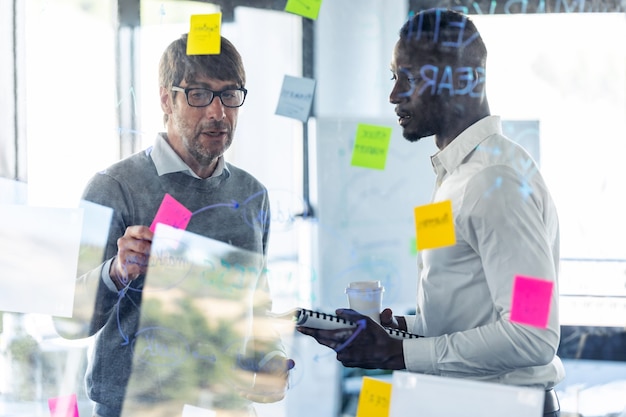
38 258
435 396
192 411
96 223
202 308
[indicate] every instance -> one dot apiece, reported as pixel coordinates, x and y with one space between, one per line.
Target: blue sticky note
296 97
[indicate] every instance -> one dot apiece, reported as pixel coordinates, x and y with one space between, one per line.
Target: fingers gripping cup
366 297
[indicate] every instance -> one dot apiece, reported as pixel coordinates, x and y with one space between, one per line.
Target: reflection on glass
204 338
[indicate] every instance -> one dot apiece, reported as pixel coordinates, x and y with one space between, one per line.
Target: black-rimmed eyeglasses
202 97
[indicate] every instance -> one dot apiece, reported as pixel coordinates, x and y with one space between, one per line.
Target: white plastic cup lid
364 286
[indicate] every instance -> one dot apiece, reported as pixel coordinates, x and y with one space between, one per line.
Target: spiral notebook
325 321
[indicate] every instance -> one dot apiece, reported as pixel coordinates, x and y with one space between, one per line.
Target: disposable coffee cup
366 297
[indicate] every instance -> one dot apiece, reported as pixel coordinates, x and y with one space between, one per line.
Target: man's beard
201 153
193 142
415 136
412 136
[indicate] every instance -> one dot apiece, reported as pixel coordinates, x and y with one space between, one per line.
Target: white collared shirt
166 160
506 225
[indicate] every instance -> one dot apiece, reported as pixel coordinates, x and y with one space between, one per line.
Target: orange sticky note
375 398
204 34
171 213
531 301
434 225
305 8
370 146
66 406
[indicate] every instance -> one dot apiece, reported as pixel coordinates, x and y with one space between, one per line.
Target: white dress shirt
506 225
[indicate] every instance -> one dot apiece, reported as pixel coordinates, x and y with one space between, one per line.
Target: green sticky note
371 146
434 225
204 34
306 8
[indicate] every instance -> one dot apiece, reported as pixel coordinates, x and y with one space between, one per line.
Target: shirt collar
450 157
167 161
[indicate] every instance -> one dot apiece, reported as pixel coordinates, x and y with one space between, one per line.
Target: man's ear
167 101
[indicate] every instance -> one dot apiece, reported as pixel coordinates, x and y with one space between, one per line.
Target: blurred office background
80 91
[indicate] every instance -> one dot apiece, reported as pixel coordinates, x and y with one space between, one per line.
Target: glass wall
558 80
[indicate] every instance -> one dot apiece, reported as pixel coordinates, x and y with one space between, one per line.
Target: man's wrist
119 284
395 358
402 323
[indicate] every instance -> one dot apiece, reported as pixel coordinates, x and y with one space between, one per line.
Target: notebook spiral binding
325 321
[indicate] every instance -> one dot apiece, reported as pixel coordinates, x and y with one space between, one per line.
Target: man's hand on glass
133 252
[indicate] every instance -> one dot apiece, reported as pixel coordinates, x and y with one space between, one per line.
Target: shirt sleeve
514 230
106 278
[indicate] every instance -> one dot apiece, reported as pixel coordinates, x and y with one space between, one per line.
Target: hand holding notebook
325 321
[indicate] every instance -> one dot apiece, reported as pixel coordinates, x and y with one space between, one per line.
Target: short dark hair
445 33
176 65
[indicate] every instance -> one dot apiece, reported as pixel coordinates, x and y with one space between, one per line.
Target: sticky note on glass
531 301
204 34
296 97
65 406
171 213
374 399
371 146
434 225
306 8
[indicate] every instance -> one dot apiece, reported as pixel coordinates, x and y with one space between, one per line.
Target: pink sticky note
531 301
171 213
65 406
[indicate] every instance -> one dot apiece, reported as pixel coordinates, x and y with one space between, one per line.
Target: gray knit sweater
238 215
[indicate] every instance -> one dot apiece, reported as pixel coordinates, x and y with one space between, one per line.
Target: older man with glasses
200 97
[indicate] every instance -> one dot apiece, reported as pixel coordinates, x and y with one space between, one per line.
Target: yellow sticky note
374 399
371 146
204 34
306 8
434 225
